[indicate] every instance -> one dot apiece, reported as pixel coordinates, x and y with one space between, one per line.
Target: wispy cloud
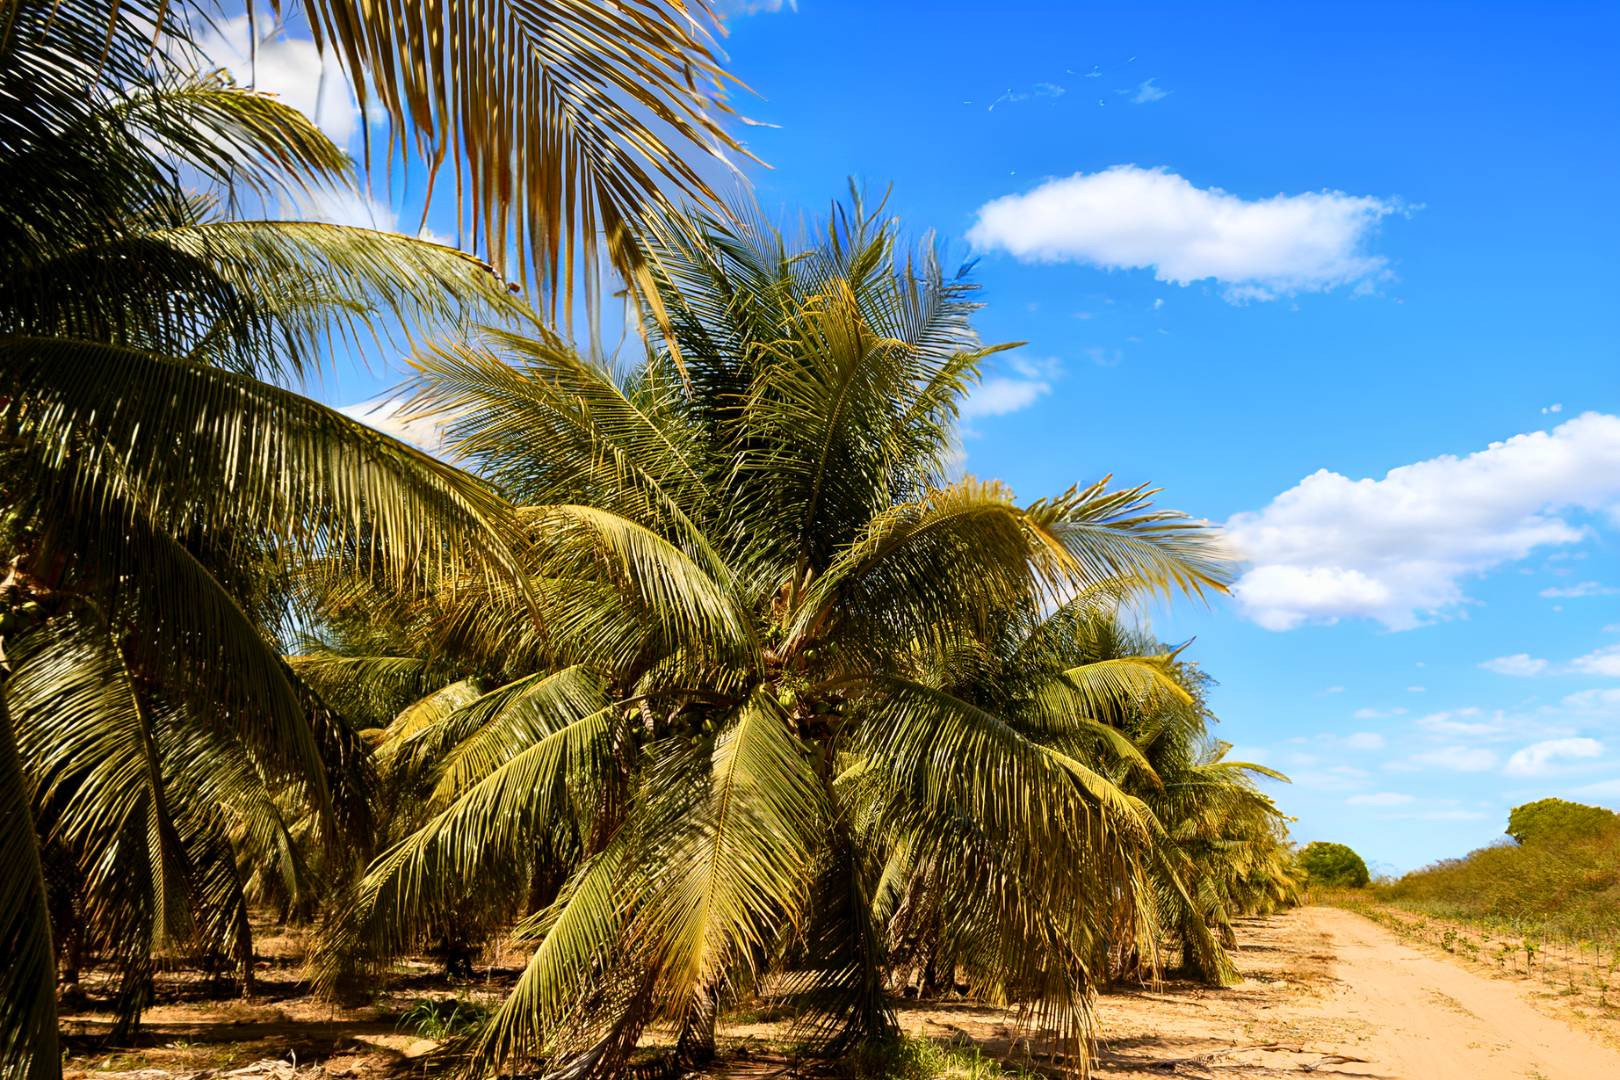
1022 382
729 8
1380 798
1521 665
1456 722
1603 661
1146 93
1038 90
1585 588
1128 217
1458 759
1538 759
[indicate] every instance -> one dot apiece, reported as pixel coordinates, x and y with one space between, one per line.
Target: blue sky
1341 276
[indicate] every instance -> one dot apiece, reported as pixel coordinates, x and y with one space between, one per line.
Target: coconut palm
564 124
729 733
1221 849
158 472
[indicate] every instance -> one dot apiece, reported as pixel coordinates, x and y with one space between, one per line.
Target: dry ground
1324 991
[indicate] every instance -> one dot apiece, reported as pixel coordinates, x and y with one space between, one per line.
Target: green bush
1333 866
1556 821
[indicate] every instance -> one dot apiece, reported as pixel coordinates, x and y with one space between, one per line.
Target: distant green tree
1333 864
1557 821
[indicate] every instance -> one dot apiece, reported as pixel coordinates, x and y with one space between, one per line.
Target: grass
925 1059
442 1018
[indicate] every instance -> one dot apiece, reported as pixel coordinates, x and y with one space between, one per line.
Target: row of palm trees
703 673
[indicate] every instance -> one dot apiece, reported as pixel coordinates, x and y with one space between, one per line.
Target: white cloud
1365 740
356 206
291 68
1127 217
1585 588
1457 722
1458 759
1601 789
1604 661
1377 714
1027 382
1522 665
999 395
1603 703
1538 758
1555 407
1147 93
728 8
387 414
1396 549
1039 90
1381 798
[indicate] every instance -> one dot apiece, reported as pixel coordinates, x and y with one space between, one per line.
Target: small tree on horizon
1334 865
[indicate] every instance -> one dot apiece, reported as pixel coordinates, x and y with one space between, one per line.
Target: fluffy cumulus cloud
1128 217
1537 759
291 68
1397 549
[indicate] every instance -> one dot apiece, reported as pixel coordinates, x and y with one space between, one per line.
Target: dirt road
1324 991
1328 991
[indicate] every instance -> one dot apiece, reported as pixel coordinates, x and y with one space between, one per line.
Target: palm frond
603 105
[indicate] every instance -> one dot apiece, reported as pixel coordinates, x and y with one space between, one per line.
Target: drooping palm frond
255 457
562 121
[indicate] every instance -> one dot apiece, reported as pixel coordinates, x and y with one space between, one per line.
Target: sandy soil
1328 991
1324 991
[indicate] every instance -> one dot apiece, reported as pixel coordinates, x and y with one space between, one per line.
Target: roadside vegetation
1557 872
1542 904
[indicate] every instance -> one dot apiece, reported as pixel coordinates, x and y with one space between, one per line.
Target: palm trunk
29 1002
696 1045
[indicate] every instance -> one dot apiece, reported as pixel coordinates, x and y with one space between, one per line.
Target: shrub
1333 865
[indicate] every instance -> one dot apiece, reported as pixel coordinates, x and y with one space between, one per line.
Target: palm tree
158 472
1221 845
728 742
566 125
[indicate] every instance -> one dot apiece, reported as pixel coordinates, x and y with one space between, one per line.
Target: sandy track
1324 991
1328 991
